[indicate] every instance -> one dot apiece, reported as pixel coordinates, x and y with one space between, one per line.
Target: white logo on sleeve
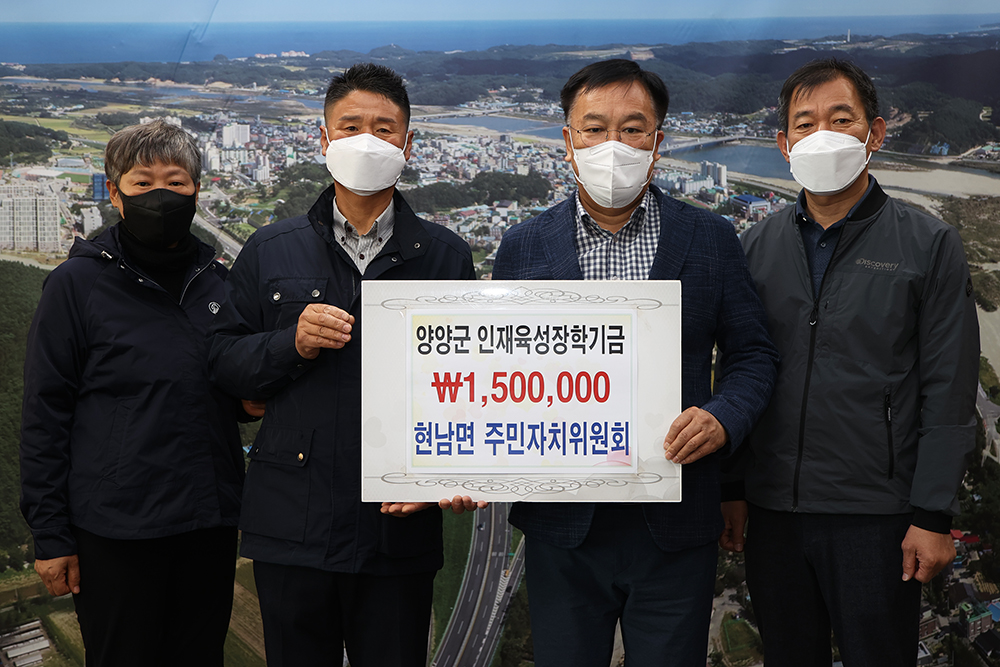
214 307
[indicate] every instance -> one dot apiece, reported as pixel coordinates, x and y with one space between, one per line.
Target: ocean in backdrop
175 42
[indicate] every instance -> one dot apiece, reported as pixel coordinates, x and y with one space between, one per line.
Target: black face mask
158 218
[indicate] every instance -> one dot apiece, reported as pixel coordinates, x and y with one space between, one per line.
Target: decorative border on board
521 296
521 486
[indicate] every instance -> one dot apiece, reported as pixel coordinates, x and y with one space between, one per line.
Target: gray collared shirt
625 255
363 248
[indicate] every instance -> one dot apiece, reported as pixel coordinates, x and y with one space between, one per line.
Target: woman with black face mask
155 231
130 459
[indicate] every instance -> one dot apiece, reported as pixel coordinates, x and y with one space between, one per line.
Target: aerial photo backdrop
247 79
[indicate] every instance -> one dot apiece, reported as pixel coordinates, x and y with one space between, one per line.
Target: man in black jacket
331 570
131 467
853 471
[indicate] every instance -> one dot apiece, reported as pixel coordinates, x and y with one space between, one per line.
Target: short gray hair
145 145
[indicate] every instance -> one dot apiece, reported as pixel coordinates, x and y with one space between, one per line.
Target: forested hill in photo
939 80
23 287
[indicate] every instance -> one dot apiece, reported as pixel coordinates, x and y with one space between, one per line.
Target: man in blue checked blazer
649 566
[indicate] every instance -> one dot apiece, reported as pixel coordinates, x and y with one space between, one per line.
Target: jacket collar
409 238
558 231
108 246
863 217
871 204
676 233
557 234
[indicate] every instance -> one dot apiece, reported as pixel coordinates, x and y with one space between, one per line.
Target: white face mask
612 173
364 164
827 162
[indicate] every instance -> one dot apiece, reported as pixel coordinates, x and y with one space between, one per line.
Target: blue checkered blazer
720 307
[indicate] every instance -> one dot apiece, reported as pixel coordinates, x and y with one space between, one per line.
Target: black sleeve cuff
733 491
936 522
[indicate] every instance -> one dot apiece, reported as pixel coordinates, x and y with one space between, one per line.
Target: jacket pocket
887 416
276 491
290 296
114 445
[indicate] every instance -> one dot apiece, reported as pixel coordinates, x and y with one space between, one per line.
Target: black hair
818 72
371 78
616 72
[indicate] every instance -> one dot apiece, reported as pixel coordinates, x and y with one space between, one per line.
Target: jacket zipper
197 272
813 321
144 277
813 318
888 430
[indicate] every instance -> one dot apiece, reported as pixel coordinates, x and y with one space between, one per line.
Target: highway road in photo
492 576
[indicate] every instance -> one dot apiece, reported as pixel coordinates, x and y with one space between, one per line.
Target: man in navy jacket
331 570
651 566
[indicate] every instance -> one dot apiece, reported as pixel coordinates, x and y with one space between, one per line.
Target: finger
338 313
333 322
399 509
57 587
928 568
679 424
327 315
56 581
444 503
73 575
692 438
726 541
696 423
676 444
458 505
909 563
312 322
308 346
469 503
704 449
482 504
395 509
736 536
324 331
313 340
724 536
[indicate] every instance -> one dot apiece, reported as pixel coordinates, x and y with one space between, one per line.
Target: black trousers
810 573
157 602
310 615
662 599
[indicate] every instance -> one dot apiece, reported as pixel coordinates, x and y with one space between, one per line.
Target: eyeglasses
632 136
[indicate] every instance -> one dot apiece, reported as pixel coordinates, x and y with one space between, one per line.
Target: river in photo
751 158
